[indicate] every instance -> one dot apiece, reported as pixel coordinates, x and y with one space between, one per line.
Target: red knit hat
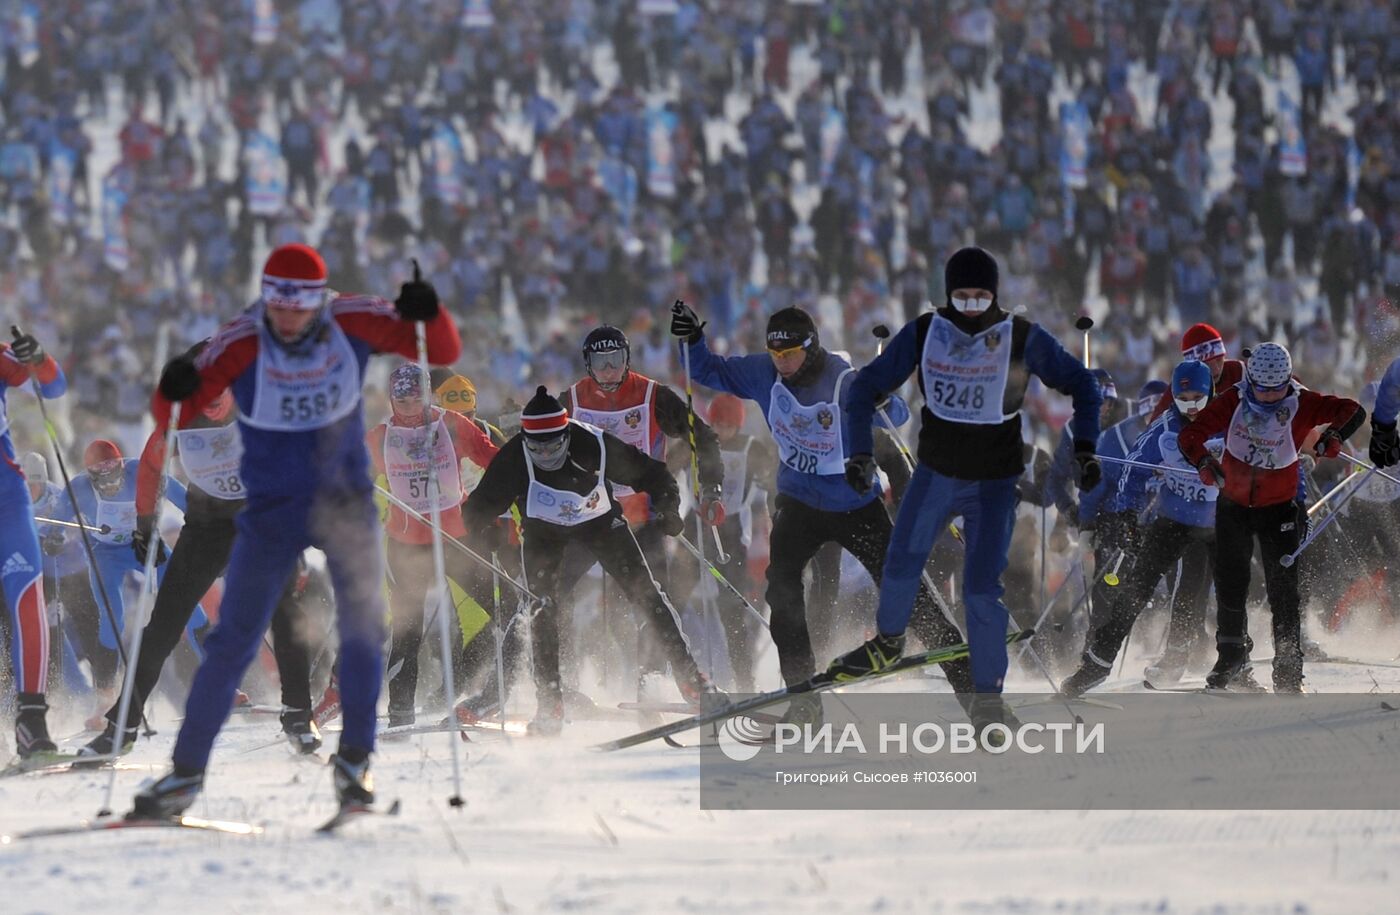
727 410
100 452
1202 342
294 277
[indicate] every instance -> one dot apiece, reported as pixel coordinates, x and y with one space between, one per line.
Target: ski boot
874 656
988 709
31 726
401 718
805 710
169 796
1090 674
476 709
350 773
104 744
1231 659
548 720
1288 668
301 731
701 693
1168 671
241 701
328 709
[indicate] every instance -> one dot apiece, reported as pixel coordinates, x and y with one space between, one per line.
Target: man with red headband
21 362
295 362
106 496
415 441
210 450
1203 343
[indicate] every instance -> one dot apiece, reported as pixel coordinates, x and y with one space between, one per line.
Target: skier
974 361
21 577
644 413
1264 419
1185 517
564 475
749 466
458 394
106 494
211 451
804 391
295 360
404 449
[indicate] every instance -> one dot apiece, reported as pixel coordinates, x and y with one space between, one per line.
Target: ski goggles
106 474
779 352
612 359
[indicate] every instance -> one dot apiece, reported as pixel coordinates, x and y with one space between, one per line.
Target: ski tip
395 807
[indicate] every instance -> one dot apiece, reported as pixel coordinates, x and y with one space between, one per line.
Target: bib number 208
802 462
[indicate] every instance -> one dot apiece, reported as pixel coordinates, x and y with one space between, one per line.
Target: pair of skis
342 816
819 683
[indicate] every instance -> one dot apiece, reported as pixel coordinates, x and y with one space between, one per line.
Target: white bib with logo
632 425
565 508
119 516
965 377
300 392
1184 487
211 458
1263 439
808 437
1379 490
406 465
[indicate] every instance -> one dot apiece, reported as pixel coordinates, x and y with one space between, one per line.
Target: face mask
1189 408
548 453
971 306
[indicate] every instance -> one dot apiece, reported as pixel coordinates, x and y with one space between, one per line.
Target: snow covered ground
550 825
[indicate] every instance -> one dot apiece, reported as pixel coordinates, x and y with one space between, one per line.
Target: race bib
302 391
808 436
212 458
407 461
965 377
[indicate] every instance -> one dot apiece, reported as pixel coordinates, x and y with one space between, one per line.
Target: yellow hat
458 394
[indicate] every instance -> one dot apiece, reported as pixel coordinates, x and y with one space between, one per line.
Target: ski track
550 825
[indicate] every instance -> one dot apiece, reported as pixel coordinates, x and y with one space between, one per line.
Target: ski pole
1085 323
143 607
439 560
83 528
1111 579
699 509
1365 466
719 576
498 634
448 538
1146 466
1287 561
720 554
1327 496
104 529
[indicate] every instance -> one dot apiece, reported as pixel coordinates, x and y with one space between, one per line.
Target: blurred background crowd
558 163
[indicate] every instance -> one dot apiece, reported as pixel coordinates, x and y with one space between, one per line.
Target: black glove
179 379
685 323
1329 444
143 536
417 301
52 543
672 524
1385 444
1090 473
860 472
26 348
